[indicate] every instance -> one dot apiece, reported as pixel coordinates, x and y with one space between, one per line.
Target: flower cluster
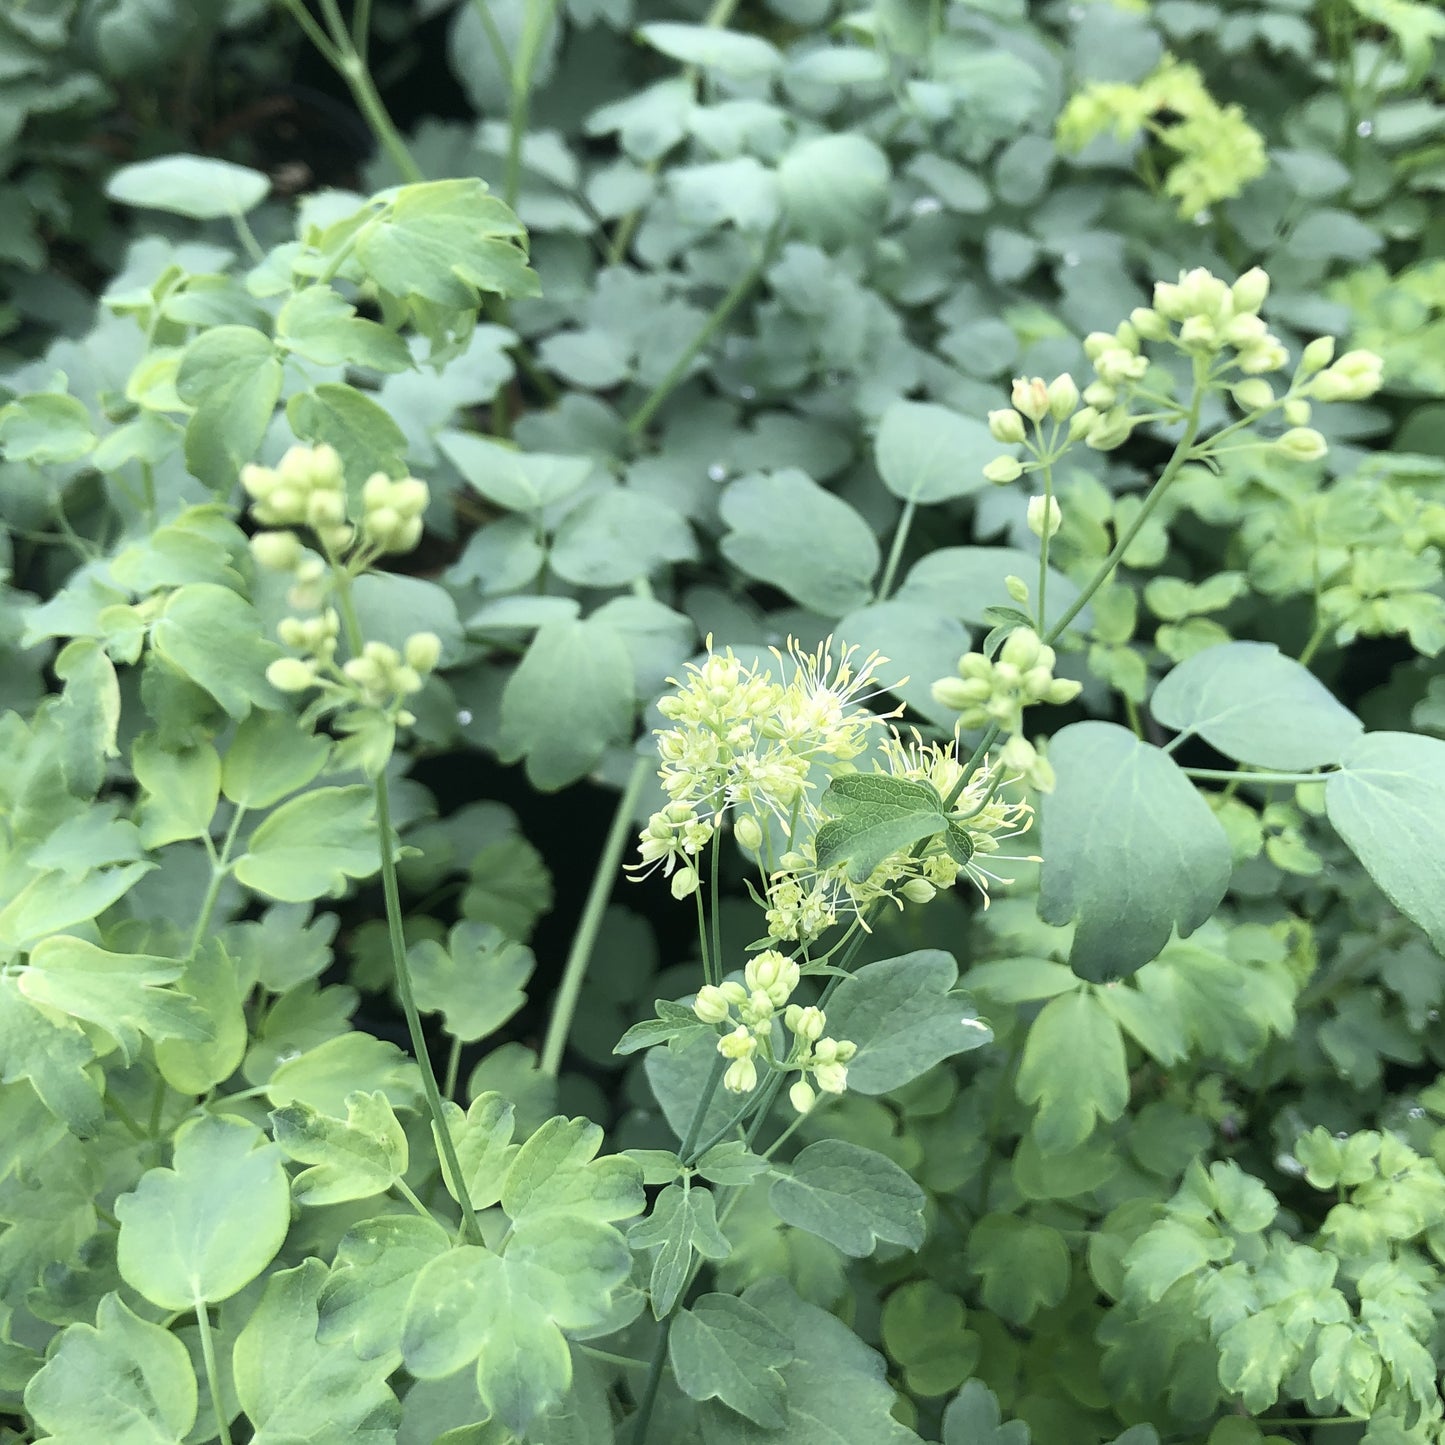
989 690
744 744
307 488
748 1013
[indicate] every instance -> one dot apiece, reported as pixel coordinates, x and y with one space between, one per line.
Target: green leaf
122 993
391 607
269 758
520 481
206 1227
738 56
447 243
52 1053
1024 1265
201 187
361 430
323 326
926 453
973 1418
355 1159
293 1387
231 375
124 1381
217 640
618 535
964 582
1073 1070
836 1389
568 700
323 1076
45 427
483 1139
557 1170
851 1197
376 1263
313 844
768 512
477 981
834 188
182 787
904 1018
722 1348
683 1221
1256 706
1131 851
872 816
1388 803
674 1020
195 1066
921 644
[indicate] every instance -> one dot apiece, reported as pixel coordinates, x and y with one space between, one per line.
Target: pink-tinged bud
1030 397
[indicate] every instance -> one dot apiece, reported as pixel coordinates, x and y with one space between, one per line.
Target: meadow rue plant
1057 1055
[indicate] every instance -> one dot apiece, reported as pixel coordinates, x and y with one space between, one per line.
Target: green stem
538 17
579 956
454 1064
213 1375
895 552
1235 776
391 890
648 1400
409 1194
638 421
1181 455
1044 546
220 867
1322 630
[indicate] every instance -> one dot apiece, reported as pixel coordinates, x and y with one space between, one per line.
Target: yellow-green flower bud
749 832
1045 516
1021 650
376 491
1096 343
1116 367
407 680
410 496
407 536
806 1023
293 632
1016 588
741 1077
1262 356
710 1005
276 551
1100 396
684 883
831 1078
1356 375
325 509
380 525
1253 395
801 1097
1063 397
1249 292
1062 690
258 482
291 674
739 1044
1197 334
282 505
1112 430
1297 411
733 992
1082 421
1006 426
773 974
1030 397
1317 355
949 692
919 890
1302 444
1169 301
1003 470
1149 324
423 651
1243 331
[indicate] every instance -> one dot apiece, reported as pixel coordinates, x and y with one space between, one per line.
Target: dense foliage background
711 358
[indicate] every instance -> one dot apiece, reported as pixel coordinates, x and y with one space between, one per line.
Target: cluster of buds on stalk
747 1014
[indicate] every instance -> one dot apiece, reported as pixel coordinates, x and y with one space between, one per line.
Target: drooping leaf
557 1171
520 481
904 1017
362 430
293 1387
618 535
973 1418
1131 851
207 1226
182 788
738 56
850 1196
1256 706
1388 803
122 1380
964 582
197 1065
45 426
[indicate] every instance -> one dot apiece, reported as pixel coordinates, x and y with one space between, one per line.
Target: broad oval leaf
850 1196
964 582
927 453
1131 851
201 187
834 187
1256 706
873 815
741 57
1388 803
723 1348
312 845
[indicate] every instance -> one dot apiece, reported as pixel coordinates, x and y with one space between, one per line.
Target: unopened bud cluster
1208 319
379 679
748 1011
307 488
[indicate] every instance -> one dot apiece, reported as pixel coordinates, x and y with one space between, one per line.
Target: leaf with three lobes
52 1055
205 1228
850 1196
1074 1070
483 1141
723 1348
293 1387
683 1219
312 845
557 1170
122 993
136 1385
872 816
352 1159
